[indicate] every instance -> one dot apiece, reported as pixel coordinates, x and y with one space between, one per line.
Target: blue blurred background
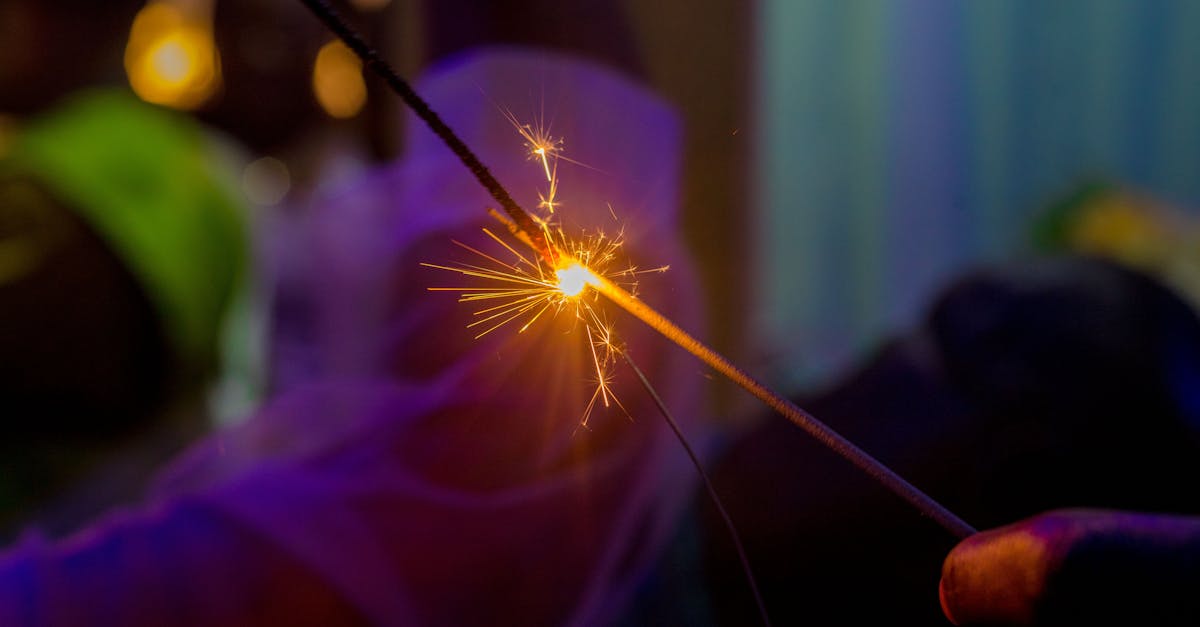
898 142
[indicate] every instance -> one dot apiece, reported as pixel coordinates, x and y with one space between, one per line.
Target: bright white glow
171 58
572 279
171 61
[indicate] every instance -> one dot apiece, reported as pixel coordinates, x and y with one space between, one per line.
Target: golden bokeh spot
337 81
1120 228
171 58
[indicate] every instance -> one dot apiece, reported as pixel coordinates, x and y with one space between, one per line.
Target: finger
995 576
1073 566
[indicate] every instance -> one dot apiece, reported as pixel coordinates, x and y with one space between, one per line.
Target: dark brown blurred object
699 55
595 29
81 338
50 49
267 50
85 363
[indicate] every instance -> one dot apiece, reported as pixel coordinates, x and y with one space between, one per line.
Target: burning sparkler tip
573 279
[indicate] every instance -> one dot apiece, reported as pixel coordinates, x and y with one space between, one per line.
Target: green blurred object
1129 227
144 178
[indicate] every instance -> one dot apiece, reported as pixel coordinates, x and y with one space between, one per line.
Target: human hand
1077 567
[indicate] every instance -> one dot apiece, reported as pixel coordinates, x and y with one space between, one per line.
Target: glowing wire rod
784 407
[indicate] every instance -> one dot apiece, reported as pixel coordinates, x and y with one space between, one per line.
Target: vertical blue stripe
1142 154
868 97
1179 54
902 141
925 220
989 68
822 112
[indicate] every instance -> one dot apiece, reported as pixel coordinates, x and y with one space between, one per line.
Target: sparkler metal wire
371 59
712 491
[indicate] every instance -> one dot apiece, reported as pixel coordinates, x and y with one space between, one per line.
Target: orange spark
524 288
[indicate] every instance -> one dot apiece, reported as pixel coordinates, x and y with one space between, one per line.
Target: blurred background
850 157
900 142
869 188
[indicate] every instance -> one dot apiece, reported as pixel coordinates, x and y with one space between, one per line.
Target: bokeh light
171 58
337 81
266 181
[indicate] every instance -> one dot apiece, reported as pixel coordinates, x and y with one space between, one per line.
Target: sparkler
542 146
537 235
527 288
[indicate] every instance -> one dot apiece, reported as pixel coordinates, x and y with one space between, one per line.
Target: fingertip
942 599
994 577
